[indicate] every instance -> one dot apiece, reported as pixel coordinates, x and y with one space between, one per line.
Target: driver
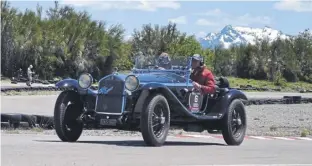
203 79
164 61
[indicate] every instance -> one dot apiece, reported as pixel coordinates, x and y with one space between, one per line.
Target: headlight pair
131 82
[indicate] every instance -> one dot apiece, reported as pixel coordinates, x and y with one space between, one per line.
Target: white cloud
178 20
125 5
201 34
78 3
205 22
248 19
218 19
214 12
293 5
128 37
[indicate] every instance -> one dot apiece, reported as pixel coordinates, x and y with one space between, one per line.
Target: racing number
194 101
196 98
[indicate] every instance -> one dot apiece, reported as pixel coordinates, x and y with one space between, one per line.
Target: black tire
151 104
45 122
13 119
65 116
30 119
238 136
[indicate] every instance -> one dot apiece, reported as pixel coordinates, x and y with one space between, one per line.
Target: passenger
164 61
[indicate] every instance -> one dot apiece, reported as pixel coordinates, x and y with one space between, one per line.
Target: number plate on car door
195 101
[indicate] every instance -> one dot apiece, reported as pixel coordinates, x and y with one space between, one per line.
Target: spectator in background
30 74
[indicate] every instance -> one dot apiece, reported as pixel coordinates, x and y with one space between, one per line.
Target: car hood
159 77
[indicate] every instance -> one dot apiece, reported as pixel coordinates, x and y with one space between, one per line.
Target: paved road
39 104
44 105
38 150
9 85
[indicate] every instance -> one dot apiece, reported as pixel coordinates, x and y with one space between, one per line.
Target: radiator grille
110 97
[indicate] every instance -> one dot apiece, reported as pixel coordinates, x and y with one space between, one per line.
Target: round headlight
85 81
131 83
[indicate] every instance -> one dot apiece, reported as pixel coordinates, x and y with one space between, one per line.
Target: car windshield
157 62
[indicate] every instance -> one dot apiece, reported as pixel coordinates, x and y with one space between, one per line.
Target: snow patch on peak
210 36
237 35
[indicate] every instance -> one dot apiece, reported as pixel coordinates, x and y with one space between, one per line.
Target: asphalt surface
9 85
39 104
39 150
48 150
44 105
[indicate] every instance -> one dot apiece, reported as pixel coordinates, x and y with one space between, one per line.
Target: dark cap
197 57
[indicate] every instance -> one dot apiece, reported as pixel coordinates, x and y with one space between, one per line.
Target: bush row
61 41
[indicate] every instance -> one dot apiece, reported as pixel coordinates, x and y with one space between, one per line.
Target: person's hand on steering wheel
196 85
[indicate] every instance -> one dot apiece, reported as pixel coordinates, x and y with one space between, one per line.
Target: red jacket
204 77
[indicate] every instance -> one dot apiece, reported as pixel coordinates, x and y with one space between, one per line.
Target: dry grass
287 87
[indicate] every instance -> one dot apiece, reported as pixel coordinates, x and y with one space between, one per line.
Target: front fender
153 86
222 105
67 83
146 90
73 84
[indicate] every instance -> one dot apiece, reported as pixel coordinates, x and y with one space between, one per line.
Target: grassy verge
5 80
286 87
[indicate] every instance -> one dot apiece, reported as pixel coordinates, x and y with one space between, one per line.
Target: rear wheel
155 120
234 123
67 109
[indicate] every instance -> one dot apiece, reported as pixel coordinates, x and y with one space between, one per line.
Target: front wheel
234 123
155 120
67 109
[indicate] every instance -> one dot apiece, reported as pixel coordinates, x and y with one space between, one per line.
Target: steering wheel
147 66
155 67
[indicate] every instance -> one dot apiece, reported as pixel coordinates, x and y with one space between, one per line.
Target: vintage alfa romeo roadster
149 100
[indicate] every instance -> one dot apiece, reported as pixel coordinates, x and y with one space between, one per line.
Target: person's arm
209 86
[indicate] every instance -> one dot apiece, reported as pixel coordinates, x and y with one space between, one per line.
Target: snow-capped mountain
231 35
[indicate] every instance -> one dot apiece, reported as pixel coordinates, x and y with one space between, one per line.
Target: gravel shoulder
279 120
263 120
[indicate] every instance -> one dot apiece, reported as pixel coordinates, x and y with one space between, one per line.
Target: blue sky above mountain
199 18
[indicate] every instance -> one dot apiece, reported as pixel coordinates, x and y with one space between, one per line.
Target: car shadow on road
138 143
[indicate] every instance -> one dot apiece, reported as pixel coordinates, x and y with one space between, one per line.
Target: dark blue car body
112 106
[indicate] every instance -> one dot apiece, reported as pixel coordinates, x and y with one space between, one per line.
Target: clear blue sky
194 17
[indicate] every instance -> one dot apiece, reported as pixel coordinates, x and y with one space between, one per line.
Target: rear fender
223 103
73 84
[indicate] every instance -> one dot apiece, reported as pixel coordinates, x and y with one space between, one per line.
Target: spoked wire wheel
237 124
155 120
67 109
234 123
158 120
